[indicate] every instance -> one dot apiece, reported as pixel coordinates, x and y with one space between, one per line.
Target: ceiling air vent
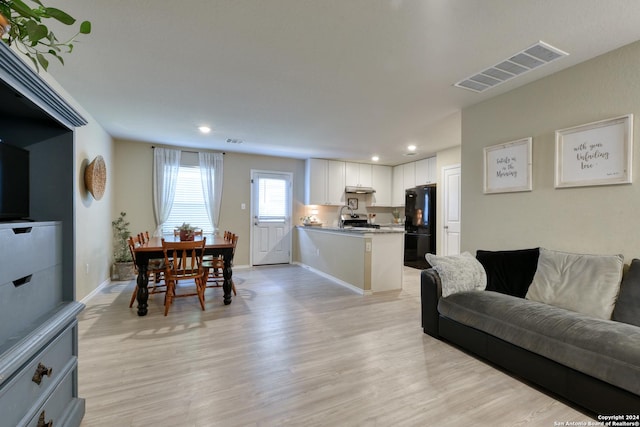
531 58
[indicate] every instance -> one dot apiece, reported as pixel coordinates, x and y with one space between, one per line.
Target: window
272 199
188 204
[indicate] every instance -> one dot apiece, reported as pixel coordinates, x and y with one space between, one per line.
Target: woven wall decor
95 177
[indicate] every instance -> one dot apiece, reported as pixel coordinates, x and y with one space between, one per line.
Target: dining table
215 245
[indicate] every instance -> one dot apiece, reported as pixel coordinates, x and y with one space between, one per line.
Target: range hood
359 190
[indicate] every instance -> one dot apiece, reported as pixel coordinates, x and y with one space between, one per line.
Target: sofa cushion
458 273
604 349
588 284
509 272
627 308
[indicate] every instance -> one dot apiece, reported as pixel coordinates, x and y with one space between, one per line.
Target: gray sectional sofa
591 358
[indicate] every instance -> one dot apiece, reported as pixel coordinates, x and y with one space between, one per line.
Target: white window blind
272 198
188 205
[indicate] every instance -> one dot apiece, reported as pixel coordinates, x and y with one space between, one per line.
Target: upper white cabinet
381 182
409 175
335 183
426 171
358 174
397 192
324 182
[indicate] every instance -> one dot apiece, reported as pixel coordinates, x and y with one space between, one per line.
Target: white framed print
507 167
598 153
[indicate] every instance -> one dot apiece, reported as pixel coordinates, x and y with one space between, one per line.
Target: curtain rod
188 151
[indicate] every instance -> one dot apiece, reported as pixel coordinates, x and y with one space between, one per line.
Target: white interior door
271 217
451 223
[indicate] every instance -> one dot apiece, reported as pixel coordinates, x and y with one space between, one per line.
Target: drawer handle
22 281
22 230
42 423
41 370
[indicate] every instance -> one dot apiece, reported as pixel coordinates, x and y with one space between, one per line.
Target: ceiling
342 79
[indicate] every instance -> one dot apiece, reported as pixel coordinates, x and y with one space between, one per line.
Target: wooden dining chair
183 262
154 272
214 266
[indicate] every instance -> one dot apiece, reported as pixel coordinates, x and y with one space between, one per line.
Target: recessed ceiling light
375 158
204 129
411 147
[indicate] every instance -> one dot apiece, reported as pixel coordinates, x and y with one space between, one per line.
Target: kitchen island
366 260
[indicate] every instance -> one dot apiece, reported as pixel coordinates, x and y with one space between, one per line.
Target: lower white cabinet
38 330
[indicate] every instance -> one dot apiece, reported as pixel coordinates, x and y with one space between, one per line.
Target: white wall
92 217
587 219
133 189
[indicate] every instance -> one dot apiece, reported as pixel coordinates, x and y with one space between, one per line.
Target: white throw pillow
587 284
458 273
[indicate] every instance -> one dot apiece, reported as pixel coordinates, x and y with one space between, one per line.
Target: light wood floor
292 349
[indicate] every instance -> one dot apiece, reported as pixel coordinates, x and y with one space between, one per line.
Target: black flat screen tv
14 182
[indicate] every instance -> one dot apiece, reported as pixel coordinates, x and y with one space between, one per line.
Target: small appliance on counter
419 225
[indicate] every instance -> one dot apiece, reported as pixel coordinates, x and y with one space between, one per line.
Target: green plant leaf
23 9
85 27
61 16
42 60
36 32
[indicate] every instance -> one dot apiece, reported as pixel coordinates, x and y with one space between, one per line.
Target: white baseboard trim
95 291
334 279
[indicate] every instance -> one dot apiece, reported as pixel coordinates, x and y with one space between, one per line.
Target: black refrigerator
419 225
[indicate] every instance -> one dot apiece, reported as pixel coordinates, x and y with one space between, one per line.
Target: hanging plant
23 26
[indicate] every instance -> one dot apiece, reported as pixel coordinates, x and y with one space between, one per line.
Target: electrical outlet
367 247
243 206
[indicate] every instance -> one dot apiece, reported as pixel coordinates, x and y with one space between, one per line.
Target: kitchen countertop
355 230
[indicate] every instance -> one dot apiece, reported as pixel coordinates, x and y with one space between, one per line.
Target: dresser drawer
21 304
27 248
56 409
48 367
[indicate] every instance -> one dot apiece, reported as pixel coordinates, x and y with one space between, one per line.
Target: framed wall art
598 153
352 202
507 167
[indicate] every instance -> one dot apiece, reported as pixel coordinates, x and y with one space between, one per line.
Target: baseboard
95 291
334 279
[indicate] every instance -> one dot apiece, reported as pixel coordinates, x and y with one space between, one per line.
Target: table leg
226 286
143 291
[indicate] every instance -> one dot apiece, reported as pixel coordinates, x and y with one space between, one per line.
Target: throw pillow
587 284
509 272
458 273
627 308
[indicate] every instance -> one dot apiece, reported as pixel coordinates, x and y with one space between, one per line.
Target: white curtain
211 174
166 164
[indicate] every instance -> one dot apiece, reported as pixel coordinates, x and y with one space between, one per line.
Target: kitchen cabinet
409 175
358 175
397 189
324 182
426 171
381 181
335 183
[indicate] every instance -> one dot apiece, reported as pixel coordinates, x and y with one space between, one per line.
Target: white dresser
38 329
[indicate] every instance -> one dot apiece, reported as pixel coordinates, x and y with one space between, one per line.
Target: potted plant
123 268
23 25
186 232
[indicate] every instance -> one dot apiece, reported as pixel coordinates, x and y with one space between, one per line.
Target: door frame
445 195
254 172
